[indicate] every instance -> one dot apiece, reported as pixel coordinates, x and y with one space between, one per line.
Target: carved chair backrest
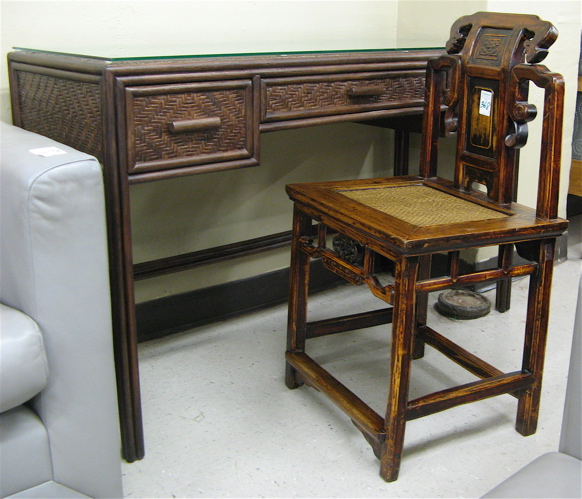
483 82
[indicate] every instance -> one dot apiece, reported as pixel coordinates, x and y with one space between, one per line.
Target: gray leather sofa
556 474
59 430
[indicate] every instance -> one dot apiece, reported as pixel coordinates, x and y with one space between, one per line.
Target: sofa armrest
54 268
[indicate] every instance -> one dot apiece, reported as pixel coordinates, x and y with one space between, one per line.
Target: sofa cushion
47 490
553 474
23 362
25 460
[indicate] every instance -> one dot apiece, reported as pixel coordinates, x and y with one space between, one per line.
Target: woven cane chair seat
421 205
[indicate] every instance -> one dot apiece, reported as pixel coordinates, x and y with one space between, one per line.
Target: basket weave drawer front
308 96
173 126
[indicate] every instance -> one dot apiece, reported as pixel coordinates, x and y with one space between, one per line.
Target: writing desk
152 118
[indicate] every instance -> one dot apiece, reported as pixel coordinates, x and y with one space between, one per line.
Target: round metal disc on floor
462 304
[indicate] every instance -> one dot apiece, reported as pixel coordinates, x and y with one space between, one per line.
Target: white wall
182 215
428 22
177 216
118 28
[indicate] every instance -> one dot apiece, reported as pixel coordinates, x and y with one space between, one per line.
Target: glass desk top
234 54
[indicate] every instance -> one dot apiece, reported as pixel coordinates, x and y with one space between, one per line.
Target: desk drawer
310 96
184 125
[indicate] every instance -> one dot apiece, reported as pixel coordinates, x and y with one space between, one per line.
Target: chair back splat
481 84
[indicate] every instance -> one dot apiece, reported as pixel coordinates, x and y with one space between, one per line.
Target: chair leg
536 329
298 295
421 306
403 327
503 292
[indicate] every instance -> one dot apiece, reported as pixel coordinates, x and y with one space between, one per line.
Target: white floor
219 421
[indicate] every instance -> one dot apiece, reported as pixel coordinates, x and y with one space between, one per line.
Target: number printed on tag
485 102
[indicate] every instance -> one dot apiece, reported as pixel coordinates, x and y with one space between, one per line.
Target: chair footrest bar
457 354
470 392
349 323
364 417
440 283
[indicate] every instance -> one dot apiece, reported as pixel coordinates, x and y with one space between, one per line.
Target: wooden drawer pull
198 125
371 91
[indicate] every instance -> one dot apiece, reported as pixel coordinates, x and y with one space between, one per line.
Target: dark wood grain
482 84
126 112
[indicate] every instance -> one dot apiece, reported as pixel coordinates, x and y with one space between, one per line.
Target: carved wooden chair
482 83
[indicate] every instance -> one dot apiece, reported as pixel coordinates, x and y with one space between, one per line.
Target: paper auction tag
485 103
47 151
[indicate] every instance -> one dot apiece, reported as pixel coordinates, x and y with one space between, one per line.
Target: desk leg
124 315
128 386
401 151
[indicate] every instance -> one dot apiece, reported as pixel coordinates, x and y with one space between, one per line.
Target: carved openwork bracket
348 272
522 111
348 250
447 68
521 114
459 32
346 262
351 260
536 48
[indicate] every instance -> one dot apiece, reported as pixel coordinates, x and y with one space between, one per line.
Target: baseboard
172 314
